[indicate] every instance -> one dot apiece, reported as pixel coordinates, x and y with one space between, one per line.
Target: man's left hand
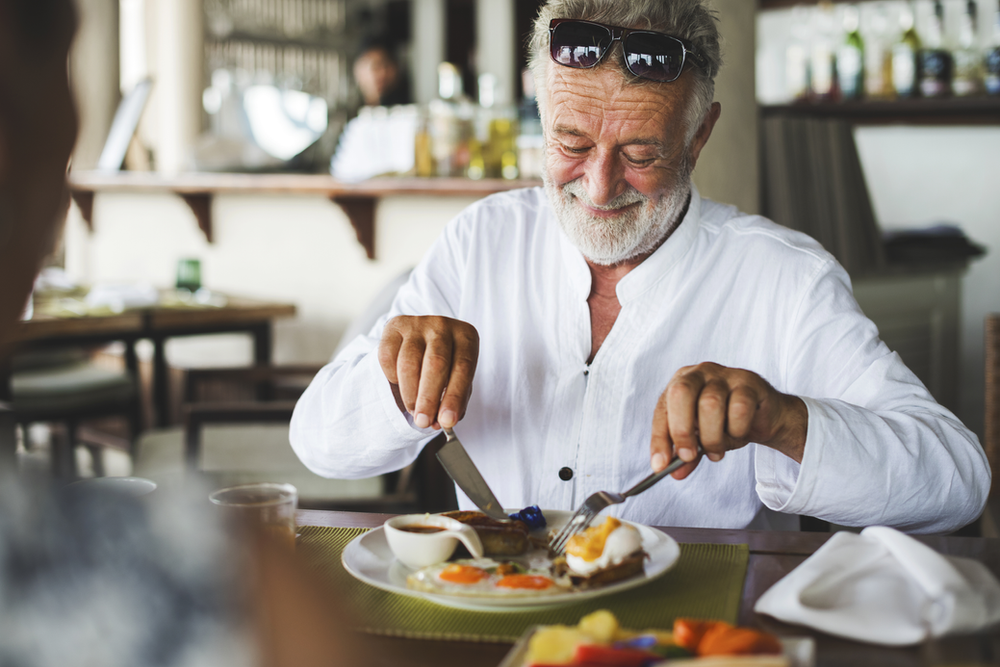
719 409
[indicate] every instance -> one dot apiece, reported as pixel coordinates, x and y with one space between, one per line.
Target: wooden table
157 324
772 556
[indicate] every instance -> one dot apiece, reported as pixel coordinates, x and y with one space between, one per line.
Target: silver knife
463 471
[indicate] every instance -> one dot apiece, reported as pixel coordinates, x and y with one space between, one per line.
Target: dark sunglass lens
654 56
579 44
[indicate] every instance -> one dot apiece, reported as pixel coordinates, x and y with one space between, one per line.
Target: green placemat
707 582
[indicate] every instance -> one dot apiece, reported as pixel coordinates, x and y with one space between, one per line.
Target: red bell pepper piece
609 656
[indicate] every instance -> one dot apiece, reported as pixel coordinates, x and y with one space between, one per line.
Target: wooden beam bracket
85 202
200 204
360 210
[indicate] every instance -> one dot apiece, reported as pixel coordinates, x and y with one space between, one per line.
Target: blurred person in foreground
97 578
615 318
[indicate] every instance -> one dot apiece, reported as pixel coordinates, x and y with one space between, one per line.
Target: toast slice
629 567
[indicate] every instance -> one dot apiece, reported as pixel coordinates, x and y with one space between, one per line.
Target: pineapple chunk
555 645
601 625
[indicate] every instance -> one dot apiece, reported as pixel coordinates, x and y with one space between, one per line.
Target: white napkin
118 297
884 587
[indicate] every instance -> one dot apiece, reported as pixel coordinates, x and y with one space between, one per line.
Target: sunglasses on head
648 55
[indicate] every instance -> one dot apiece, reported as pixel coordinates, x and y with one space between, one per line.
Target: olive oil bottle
904 55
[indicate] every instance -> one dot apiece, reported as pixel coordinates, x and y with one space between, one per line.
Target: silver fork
600 500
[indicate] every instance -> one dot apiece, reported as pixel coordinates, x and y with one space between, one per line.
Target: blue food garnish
532 516
642 641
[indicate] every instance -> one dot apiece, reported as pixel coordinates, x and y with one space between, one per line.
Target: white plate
368 558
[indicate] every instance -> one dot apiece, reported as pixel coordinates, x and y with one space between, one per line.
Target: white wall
299 249
728 169
918 176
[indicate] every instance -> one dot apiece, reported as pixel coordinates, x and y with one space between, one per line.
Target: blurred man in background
377 74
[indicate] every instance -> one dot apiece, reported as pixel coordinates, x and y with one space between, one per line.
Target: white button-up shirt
726 287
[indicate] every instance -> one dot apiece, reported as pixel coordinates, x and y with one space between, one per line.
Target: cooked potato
555 645
601 625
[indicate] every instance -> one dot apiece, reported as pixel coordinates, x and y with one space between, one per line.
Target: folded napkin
884 587
118 297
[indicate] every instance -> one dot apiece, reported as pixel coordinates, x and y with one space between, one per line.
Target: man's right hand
430 361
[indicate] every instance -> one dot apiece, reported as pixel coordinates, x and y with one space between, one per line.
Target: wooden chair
8 439
242 439
64 386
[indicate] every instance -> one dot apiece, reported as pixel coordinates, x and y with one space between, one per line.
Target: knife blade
463 471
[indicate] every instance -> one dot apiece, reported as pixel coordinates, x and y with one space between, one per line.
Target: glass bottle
496 131
797 56
935 61
992 61
904 55
423 158
968 60
850 56
450 124
878 55
821 56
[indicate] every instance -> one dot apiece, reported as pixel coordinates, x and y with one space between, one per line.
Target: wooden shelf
942 111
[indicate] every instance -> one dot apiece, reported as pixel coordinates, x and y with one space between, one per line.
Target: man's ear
704 132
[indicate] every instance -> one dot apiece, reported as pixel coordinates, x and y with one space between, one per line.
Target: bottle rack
979 110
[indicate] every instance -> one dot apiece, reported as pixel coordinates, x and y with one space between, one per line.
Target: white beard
632 233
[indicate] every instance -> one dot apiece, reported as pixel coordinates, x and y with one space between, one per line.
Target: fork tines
577 524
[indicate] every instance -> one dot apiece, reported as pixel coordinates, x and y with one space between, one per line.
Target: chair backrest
992 426
8 439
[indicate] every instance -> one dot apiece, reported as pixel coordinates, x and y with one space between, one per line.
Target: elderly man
616 318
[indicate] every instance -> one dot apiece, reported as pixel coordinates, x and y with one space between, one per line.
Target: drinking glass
189 274
265 507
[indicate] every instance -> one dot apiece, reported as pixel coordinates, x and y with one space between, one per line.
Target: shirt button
586 372
565 474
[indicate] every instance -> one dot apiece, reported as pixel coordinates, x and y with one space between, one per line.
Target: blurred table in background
64 320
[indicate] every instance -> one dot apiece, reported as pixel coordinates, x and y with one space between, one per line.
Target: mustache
630 196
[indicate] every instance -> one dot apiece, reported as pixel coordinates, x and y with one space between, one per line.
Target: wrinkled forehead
603 91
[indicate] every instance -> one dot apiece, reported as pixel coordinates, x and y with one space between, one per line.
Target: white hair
689 20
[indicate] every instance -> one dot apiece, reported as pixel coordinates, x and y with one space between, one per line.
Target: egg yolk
529 581
463 574
589 545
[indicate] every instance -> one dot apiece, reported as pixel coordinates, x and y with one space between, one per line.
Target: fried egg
601 547
482 577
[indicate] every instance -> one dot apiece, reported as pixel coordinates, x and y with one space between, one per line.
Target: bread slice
499 538
629 567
